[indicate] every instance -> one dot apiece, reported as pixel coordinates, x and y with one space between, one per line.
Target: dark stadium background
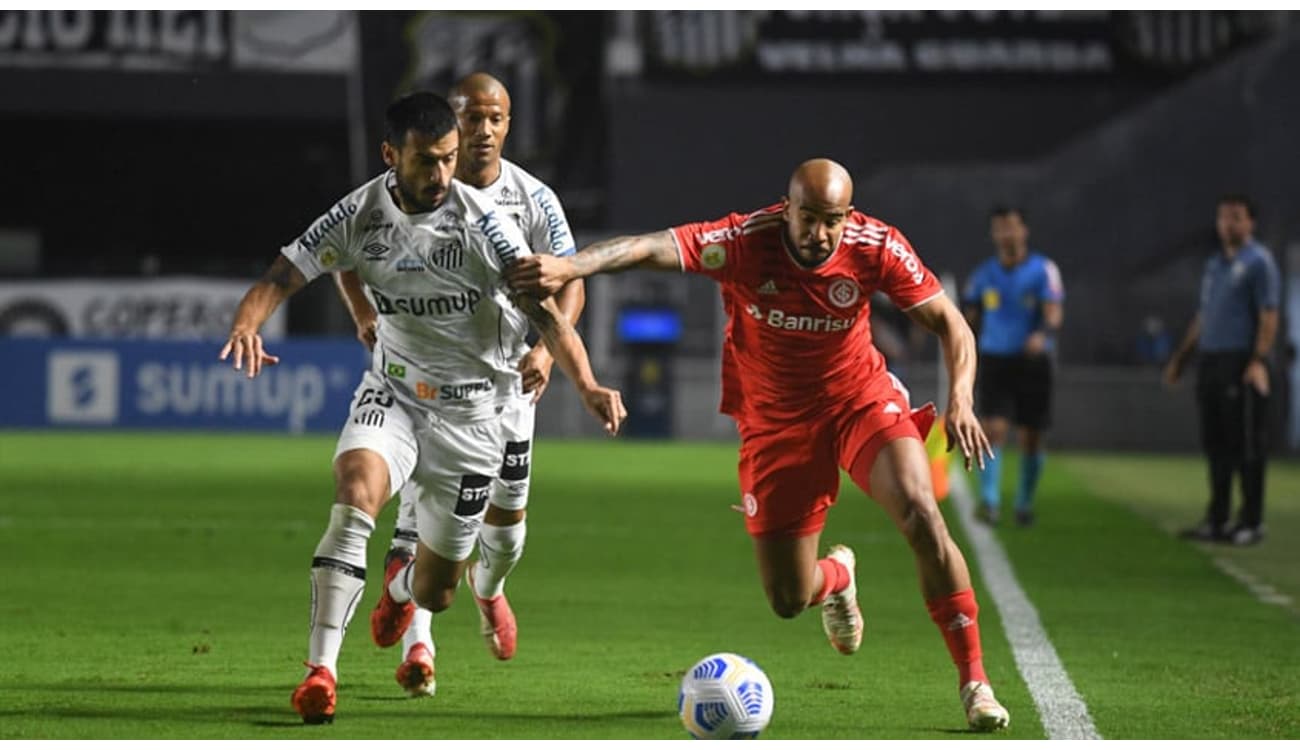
152 144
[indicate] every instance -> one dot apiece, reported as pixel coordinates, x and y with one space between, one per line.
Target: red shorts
790 474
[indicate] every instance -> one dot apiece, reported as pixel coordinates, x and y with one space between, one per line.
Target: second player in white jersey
433 251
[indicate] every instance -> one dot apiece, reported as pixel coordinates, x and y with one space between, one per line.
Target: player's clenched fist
606 404
541 275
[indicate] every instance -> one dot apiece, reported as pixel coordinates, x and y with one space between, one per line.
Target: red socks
835 578
957 615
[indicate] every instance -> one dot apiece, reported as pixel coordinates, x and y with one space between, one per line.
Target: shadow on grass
272 712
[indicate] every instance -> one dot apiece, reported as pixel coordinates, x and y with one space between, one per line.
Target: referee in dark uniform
1234 331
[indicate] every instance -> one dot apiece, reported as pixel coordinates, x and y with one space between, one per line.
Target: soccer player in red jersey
810 395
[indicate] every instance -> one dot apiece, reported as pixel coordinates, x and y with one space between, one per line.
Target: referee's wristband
1260 358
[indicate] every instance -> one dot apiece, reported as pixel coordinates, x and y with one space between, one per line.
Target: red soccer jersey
799 339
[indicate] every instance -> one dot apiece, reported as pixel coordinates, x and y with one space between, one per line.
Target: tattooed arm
566 346
280 281
545 274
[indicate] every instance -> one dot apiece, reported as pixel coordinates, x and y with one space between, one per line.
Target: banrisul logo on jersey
791 322
490 226
332 218
464 301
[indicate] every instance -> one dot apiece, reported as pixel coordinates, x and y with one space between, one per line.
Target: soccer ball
725 697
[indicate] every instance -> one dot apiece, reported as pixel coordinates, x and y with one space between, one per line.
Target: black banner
178 40
916 44
116 39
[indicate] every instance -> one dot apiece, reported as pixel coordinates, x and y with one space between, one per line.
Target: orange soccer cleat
389 620
415 674
314 698
498 621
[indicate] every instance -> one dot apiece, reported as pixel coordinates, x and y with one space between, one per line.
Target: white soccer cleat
983 711
841 617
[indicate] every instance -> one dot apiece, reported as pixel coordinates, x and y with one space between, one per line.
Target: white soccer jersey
538 214
449 337
535 209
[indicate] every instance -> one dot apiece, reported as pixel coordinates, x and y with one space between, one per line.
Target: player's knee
431 596
356 491
923 526
498 516
787 603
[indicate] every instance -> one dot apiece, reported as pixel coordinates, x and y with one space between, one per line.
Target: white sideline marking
1060 707
1260 590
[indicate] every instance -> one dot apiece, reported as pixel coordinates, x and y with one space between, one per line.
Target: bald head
821 182
478 87
482 107
817 208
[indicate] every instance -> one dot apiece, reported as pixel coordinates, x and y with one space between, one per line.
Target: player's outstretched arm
543 275
279 282
605 404
354 299
944 320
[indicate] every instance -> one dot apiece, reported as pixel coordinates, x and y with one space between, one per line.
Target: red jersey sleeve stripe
934 296
681 259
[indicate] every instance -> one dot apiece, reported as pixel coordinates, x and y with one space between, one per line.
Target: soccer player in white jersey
432 251
482 106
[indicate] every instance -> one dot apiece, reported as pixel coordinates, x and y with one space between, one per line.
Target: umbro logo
768 287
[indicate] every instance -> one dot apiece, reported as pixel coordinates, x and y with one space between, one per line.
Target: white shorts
510 486
446 467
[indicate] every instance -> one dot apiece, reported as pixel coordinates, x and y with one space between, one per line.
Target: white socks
338 578
419 632
499 548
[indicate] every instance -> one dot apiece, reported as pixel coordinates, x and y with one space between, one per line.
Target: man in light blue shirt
1234 330
1015 300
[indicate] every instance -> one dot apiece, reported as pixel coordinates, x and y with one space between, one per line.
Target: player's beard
420 201
813 254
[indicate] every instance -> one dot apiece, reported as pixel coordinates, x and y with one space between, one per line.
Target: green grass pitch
156 586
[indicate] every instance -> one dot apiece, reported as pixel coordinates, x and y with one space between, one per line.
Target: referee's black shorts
1017 387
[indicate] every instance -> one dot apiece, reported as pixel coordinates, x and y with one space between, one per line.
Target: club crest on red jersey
843 292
